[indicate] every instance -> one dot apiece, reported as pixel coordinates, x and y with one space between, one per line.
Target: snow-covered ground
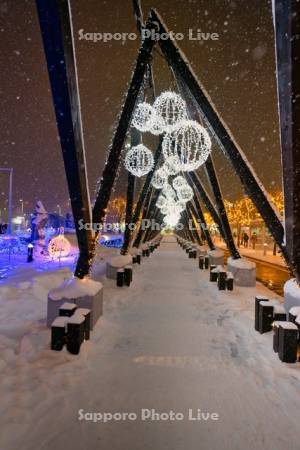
170 342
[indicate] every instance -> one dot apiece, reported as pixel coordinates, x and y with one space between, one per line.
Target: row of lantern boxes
71 328
218 273
124 275
269 314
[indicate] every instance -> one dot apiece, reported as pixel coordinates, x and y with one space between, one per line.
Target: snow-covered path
169 342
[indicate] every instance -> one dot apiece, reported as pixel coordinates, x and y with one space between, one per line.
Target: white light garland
143 117
190 143
171 109
139 160
185 193
159 178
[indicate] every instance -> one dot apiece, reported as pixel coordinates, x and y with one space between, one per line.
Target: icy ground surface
170 342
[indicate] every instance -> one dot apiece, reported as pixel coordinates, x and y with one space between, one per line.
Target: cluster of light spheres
139 160
167 112
185 146
189 144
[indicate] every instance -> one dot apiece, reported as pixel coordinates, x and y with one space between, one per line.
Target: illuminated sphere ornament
171 165
185 193
143 117
161 201
190 143
157 125
139 160
59 247
159 178
171 109
169 192
179 182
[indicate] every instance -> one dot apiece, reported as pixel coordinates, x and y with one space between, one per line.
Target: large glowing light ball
159 178
139 160
185 193
179 182
59 247
171 109
190 143
143 117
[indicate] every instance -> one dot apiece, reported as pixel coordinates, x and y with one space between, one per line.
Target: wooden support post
111 167
57 33
135 140
213 180
146 185
195 180
287 30
193 218
203 223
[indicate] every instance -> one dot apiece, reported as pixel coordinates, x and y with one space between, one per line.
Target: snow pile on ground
291 294
215 253
120 261
241 263
75 288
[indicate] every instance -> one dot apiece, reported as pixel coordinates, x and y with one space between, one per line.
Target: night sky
238 70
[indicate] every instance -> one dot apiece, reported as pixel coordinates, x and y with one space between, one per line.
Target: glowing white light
161 201
139 160
171 220
179 182
159 178
169 192
59 247
171 165
143 117
190 144
157 125
185 193
171 109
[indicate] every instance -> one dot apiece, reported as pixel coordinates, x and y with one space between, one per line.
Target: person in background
245 240
253 240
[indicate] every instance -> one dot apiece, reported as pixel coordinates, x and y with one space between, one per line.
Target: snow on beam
57 33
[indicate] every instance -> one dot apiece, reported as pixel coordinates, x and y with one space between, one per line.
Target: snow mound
291 294
121 261
216 253
295 311
75 288
241 263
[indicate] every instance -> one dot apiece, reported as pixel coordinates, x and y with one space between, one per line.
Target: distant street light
59 210
10 170
22 206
